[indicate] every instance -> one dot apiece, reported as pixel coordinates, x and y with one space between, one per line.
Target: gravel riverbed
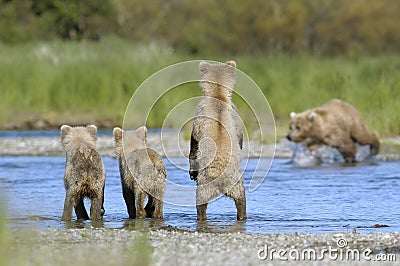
91 246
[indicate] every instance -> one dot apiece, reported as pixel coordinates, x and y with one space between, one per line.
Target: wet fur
216 140
142 173
337 124
84 173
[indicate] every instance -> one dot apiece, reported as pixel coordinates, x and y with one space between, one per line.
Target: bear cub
142 173
85 175
216 140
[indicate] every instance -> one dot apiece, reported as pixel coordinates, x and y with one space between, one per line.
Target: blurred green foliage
58 80
323 27
85 58
62 80
22 20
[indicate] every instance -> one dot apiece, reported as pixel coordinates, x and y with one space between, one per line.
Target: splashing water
303 157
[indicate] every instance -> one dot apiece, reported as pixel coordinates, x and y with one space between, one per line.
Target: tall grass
371 84
95 79
67 79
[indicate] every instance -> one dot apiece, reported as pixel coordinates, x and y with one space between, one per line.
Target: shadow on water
221 226
80 224
328 198
211 226
143 224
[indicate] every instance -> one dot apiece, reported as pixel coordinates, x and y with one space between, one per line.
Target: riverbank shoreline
90 246
168 144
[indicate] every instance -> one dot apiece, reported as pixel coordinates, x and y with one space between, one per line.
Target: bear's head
217 80
128 141
303 126
73 137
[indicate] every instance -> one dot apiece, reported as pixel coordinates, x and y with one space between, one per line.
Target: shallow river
328 198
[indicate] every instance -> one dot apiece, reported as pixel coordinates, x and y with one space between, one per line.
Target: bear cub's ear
231 63
92 129
141 132
292 114
65 130
117 132
203 67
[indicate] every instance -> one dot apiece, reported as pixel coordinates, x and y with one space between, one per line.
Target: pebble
94 246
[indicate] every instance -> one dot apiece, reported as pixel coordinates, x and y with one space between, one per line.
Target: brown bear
142 173
216 140
85 175
337 124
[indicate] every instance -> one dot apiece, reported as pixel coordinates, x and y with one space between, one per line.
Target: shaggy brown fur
337 124
142 173
216 141
84 172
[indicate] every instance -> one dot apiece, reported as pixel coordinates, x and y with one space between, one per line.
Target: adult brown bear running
337 124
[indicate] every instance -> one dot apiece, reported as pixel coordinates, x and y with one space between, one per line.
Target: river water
328 198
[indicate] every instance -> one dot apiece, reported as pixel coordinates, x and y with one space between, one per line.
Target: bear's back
145 162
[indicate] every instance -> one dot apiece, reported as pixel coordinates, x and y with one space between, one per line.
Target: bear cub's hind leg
80 210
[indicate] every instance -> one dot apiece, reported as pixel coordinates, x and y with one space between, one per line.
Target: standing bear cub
216 140
337 124
142 173
85 175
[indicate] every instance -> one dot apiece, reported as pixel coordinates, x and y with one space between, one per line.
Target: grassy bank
297 83
92 82
67 80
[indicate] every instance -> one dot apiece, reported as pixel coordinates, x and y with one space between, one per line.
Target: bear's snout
288 137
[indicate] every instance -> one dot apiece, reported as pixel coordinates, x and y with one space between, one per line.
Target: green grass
298 83
59 80
74 79
4 235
